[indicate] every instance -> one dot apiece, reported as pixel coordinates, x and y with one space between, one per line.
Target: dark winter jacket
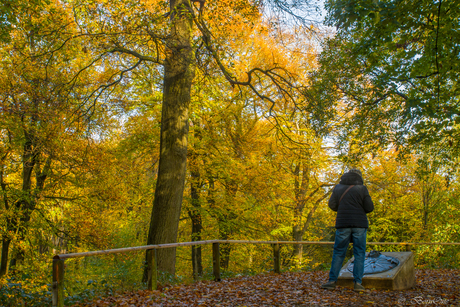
352 210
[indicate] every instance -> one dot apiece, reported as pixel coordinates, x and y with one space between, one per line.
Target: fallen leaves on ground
433 287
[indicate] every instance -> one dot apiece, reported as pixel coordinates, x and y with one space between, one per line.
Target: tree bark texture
178 77
25 205
225 222
226 230
300 189
5 241
4 262
195 216
195 212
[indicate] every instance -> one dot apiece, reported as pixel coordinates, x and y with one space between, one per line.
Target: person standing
352 202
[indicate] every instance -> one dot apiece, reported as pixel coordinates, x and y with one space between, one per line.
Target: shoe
329 285
359 287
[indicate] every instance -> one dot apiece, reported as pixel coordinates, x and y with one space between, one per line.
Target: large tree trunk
178 77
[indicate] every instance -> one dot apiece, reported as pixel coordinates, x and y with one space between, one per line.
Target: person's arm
333 201
368 205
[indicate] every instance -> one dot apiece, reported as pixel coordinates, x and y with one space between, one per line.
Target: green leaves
9 9
397 61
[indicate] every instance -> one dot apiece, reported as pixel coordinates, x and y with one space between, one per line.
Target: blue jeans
343 236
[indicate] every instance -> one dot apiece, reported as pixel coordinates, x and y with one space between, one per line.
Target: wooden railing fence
58 260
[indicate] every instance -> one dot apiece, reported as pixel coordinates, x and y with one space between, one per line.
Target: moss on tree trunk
178 77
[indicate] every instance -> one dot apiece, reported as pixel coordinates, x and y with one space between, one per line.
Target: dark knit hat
355 170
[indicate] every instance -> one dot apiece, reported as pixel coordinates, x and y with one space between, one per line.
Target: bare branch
135 54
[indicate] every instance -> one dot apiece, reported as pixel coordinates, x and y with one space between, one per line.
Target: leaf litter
433 288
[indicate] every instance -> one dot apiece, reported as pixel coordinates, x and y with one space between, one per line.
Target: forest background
127 123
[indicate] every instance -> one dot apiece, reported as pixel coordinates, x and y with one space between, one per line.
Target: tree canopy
127 123
394 65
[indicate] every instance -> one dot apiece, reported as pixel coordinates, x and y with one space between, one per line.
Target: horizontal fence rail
132 249
58 260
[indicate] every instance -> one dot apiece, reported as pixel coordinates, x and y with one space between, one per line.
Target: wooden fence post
216 261
408 248
276 257
152 269
58 282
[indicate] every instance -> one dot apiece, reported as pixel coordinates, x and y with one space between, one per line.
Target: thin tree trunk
297 234
300 189
196 261
178 77
226 231
195 195
196 249
195 216
4 261
225 248
5 241
25 205
226 225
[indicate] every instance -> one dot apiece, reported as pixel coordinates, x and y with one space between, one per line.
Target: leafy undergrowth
433 287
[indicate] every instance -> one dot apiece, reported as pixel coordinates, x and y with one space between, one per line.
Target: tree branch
141 57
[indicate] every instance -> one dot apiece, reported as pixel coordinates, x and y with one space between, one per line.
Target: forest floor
433 288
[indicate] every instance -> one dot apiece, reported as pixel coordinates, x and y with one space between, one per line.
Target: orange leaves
293 289
229 15
154 6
